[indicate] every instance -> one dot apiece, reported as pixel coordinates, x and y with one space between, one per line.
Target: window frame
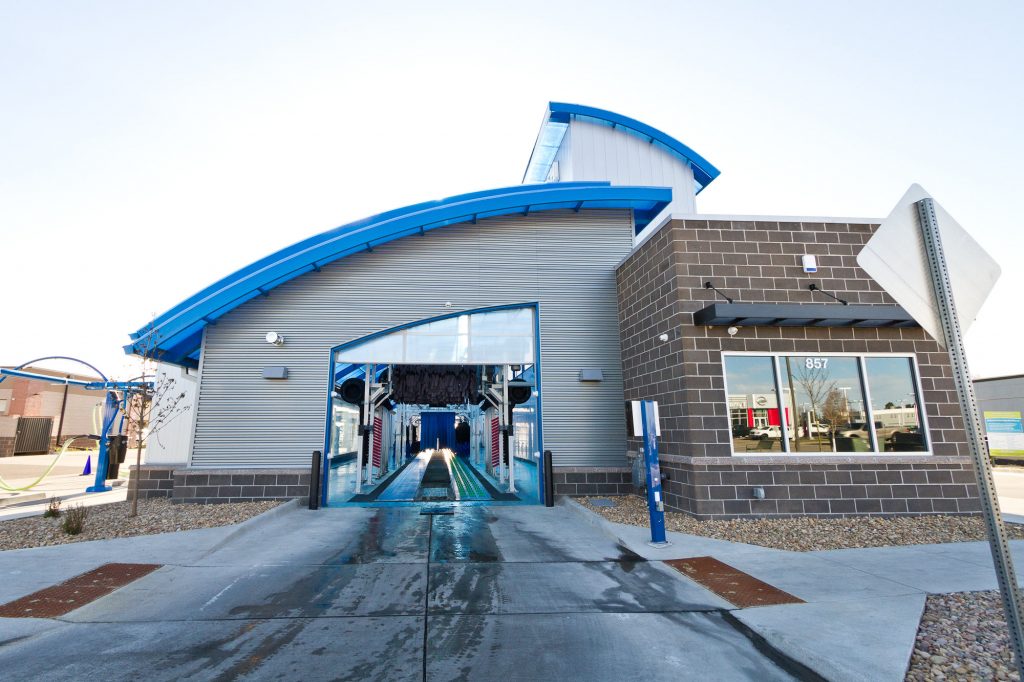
868 407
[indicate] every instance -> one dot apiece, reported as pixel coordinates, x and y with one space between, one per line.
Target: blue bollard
655 501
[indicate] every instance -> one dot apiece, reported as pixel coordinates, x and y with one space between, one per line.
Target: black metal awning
803 315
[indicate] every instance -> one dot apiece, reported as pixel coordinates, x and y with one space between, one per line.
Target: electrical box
810 263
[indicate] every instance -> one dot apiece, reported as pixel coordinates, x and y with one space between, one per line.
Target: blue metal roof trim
175 336
560 113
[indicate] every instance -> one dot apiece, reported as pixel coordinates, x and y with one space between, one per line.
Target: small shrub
74 519
52 509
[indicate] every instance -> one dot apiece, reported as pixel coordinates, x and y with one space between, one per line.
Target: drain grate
736 587
76 592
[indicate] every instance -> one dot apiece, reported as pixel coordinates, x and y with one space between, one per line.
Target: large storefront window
829 404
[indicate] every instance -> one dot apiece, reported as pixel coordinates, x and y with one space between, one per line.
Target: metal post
362 438
103 458
314 480
508 425
549 480
502 467
63 406
655 504
1001 557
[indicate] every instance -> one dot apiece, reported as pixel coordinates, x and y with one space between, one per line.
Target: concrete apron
863 606
383 593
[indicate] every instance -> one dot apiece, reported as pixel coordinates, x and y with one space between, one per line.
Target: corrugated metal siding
596 152
562 259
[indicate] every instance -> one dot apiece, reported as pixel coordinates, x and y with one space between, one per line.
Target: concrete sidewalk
380 594
510 592
863 606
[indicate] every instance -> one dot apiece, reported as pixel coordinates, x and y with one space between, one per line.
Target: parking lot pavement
384 593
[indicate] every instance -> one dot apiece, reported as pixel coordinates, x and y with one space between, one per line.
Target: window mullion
869 410
780 403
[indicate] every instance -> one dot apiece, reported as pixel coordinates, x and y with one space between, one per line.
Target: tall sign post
1001 557
944 296
644 418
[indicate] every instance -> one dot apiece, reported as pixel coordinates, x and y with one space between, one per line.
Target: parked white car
765 432
860 430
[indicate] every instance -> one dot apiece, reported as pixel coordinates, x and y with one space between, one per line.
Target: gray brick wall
212 486
209 486
579 481
841 486
154 481
661 285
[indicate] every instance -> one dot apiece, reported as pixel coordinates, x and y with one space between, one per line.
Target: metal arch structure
561 113
175 337
56 357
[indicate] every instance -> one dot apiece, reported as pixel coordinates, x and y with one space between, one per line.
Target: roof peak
560 114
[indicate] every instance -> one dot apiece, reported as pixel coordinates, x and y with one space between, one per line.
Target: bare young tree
147 410
817 384
836 410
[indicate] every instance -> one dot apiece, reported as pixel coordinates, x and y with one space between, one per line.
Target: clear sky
147 149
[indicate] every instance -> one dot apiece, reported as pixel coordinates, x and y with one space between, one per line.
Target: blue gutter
176 335
561 113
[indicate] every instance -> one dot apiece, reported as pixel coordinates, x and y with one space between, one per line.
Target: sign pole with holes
953 336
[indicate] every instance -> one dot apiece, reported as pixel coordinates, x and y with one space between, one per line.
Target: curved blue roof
559 115
176 335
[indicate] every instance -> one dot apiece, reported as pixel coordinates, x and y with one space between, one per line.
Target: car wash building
435 351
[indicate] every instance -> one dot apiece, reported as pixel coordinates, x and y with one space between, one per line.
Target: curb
243 528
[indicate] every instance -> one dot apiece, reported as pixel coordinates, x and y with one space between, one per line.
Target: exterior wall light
274 339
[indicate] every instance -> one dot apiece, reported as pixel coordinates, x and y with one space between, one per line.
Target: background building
30 412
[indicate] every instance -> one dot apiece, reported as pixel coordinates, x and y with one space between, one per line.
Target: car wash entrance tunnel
437 429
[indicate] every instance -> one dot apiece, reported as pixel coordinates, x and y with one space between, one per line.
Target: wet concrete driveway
508 593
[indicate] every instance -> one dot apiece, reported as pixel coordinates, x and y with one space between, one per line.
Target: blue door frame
325 463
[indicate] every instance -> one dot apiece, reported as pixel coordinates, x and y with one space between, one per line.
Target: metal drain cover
736 587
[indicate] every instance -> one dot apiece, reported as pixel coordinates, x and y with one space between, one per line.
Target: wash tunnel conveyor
435 476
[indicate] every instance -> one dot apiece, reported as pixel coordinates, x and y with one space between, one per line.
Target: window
495 337
829 404
751 383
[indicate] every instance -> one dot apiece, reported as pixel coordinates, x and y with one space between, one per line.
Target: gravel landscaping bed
963 636
112 521
806 534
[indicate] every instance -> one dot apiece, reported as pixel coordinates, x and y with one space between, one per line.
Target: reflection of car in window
860 430
740 430
767 432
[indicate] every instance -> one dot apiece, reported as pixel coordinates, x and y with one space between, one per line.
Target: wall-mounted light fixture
814 287
274 339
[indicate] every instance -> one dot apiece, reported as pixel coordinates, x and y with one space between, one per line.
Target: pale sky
148 149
